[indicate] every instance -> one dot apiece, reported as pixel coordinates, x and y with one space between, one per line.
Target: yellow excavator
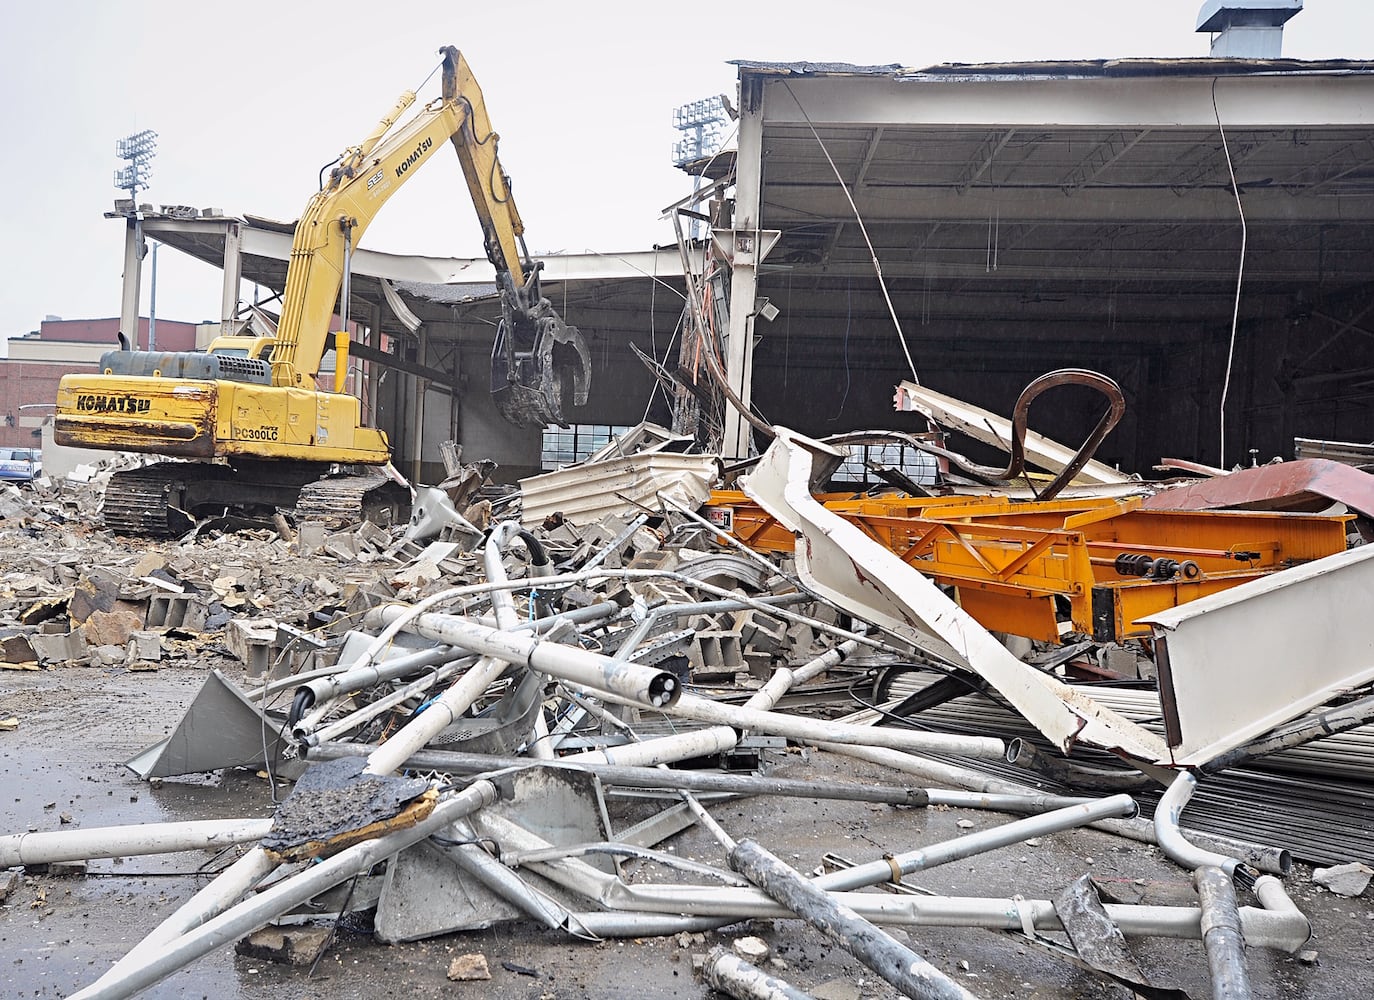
260 433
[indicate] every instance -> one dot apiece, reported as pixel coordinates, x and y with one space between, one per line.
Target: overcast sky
251 98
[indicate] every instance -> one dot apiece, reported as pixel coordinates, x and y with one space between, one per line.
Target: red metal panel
1309 484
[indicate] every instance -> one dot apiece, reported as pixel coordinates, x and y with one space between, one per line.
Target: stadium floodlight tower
138 149
701 124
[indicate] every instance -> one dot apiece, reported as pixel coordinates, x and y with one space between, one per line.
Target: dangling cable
873 254
1240 275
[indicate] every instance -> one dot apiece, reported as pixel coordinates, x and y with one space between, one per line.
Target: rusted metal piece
334 804
995 430
1309 485
1116 406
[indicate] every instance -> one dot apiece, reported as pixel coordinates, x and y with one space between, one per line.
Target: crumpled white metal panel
584 494
991 429
1250 658
845 566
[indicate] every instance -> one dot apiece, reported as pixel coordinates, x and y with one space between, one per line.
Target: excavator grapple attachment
534 356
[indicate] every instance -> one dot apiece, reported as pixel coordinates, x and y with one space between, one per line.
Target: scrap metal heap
458 727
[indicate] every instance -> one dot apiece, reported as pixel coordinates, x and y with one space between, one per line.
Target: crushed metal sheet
334 804
842 564
1236 664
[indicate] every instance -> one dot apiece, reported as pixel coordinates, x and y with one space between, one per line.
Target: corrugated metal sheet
584 494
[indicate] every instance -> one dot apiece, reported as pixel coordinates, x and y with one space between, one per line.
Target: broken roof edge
1064 69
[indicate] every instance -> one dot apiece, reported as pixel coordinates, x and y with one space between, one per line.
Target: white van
20 464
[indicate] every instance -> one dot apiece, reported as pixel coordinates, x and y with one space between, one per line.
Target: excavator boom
255 428
527 376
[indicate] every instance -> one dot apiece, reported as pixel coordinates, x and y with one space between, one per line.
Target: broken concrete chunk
145 646
1345 880
284 945
43 611
310 537
16 649
98 591
250 640
59 647
468 968
148 563
183 611
751 949
108 656
110 628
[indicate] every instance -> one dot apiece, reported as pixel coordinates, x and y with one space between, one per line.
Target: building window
566 445
920 466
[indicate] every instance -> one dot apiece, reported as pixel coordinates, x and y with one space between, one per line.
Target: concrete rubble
505 714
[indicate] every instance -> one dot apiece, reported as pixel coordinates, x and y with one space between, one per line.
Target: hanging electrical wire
1240 276
873 254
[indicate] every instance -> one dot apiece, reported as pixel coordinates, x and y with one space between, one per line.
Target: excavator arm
527 378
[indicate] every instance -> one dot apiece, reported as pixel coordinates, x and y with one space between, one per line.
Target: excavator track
150 501
168 498
352 499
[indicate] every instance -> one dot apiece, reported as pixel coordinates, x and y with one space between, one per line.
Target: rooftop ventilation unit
1246 29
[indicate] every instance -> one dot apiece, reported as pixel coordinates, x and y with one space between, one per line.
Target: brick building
38 360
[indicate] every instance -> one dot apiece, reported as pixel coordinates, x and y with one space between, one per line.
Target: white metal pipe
1269 859
47 847
502 881
458 762
978 843
1031 803
1170 838
211 900
819 730
454 660
663 749
715 739
355 678
640 684
305 731
276 900
1268 890
541 747
394 621
501 604
442 712
1269 928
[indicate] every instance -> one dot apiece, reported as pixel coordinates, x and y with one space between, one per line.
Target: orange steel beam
1016 564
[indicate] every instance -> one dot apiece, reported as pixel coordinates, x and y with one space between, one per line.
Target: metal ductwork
1246 29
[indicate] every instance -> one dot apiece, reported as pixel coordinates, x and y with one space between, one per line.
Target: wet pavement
57 933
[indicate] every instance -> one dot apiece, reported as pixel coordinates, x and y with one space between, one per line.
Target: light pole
137 149
700 123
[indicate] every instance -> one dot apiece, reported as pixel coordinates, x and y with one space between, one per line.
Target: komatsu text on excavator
260 433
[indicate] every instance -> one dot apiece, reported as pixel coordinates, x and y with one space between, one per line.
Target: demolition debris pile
507 709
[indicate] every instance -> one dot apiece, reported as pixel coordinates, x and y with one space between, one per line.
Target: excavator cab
534 354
